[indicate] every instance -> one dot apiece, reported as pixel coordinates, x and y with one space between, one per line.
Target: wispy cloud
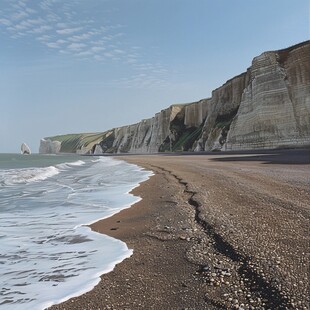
76 46
20 15
67 31
52 45
5 22
56 25
83 36
40 29
53 23
96 49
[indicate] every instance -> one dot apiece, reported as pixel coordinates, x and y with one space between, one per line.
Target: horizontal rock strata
275 106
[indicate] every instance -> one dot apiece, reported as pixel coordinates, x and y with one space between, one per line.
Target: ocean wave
77 163
108 161
27 175
69 165
44 236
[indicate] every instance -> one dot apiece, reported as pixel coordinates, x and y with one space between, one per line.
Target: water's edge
97 276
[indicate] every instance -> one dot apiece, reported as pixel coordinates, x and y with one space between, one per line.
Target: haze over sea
47 253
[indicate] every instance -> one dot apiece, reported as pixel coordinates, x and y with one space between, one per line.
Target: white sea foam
28 175
47 254
77 163
68 165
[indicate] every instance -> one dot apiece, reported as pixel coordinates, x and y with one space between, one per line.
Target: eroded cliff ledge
268 106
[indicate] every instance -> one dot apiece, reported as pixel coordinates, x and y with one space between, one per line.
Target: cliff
48 146
268 106
275 105
163 132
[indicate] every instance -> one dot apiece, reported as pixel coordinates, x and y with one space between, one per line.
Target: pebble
205 268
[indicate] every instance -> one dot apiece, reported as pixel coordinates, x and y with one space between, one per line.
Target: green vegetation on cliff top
73 142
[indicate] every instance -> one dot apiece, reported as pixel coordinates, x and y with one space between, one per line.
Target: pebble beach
220 231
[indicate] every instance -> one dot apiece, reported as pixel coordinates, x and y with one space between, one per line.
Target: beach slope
222 231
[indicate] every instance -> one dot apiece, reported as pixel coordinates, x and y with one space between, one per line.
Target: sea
48 253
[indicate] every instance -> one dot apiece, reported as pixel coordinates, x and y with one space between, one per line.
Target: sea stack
24 149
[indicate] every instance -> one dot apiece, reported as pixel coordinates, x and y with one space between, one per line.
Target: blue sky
70 66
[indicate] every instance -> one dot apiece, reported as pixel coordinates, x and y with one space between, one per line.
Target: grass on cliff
185 141
70 143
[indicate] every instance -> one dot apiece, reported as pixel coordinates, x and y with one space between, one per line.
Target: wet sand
212 232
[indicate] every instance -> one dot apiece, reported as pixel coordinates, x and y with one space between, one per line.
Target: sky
72 66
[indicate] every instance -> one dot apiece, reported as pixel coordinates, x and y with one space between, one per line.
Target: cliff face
222 108
49 147
268 106
275 105
159 133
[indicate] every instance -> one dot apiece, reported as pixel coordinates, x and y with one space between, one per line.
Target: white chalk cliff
275 105
47 146
268 106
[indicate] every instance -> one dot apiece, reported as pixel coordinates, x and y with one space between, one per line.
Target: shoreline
185 240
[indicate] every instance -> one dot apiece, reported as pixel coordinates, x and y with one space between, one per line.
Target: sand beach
219 231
